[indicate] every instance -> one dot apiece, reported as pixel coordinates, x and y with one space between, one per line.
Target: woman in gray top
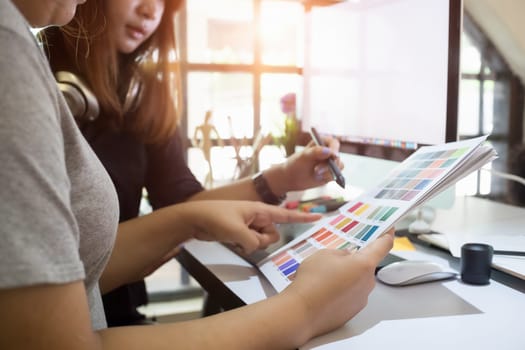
61 245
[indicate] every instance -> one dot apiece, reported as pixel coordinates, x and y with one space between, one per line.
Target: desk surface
437 315
479 220
431 315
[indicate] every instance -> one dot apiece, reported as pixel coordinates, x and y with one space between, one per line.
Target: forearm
244 189
57 317
273 324
142 243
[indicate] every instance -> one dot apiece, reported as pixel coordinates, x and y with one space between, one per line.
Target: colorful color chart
419 173
372 212
360 221
288 261
341 232
354 228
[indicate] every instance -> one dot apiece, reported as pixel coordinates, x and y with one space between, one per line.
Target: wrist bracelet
264 191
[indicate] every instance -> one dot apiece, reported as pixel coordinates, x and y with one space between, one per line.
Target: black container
476 260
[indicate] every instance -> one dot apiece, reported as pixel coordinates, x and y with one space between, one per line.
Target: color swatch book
421 176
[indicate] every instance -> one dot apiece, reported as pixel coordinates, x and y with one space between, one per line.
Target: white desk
479 220
439 315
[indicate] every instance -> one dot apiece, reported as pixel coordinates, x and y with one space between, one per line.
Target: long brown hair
110 74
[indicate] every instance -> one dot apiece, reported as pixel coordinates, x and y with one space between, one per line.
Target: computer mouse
408 272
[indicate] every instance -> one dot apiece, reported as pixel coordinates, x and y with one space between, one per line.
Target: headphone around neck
80 99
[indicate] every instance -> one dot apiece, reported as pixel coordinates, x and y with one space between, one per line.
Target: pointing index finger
282 215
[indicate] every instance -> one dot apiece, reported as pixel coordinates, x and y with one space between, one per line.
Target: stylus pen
338 177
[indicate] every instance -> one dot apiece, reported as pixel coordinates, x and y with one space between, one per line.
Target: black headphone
80 99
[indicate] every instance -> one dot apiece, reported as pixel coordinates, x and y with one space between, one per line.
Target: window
487 105
239 58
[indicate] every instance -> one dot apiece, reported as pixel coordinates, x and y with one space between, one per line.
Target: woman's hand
246 225
305 169
332 286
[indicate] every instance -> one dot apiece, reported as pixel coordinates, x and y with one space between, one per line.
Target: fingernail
326 150
320 171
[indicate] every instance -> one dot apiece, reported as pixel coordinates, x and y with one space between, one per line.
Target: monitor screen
383 75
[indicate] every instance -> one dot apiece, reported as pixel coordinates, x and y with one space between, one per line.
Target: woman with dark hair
125 52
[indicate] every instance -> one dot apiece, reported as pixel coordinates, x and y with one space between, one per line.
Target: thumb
267 238
378 249
244 240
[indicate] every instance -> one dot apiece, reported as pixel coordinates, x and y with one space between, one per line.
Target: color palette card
424 174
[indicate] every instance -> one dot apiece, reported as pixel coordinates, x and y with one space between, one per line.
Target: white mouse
407 272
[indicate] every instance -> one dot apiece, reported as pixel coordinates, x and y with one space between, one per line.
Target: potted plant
291 124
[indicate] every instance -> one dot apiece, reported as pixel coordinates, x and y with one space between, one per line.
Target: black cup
476 261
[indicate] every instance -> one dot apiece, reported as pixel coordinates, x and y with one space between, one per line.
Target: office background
240 62
239 57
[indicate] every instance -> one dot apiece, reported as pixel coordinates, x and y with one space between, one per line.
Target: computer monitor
383 75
